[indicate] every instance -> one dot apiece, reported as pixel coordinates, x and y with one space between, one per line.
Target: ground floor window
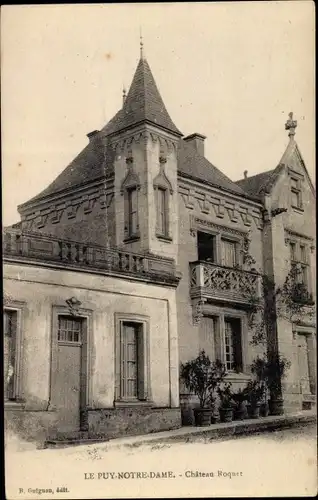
233 344
131 360
221 338
10 353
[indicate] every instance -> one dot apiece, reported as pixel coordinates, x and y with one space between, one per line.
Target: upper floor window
163 195
218 250
162 212
130 189
229 253
206 246
132 212
299 261
296 195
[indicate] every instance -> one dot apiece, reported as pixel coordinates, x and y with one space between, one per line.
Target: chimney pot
91 135
245 174
197 141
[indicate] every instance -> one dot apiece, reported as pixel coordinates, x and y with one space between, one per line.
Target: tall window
132 212
303 265
295 193
162 222
206 246
292 247
228 253
9 347
131 360
233 344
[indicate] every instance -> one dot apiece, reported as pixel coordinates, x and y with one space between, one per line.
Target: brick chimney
91 135
197 141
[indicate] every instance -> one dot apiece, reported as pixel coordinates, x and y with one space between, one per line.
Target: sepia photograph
159 250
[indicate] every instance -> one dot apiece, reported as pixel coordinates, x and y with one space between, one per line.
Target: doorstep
211 432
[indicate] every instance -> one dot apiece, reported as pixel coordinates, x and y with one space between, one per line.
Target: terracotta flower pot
254 410
226 414
276 406
264 410
202 416
240 412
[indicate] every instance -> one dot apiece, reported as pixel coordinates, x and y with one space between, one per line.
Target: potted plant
202 377
255 393
260 370
226 399
276 367
240 398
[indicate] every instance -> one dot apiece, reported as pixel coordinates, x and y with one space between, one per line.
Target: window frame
161 182
130 233
143 384
219 315
19 309
234 369
297 191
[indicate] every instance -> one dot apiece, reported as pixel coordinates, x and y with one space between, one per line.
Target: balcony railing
225 284
46 248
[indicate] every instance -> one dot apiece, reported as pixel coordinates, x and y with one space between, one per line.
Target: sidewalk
212 432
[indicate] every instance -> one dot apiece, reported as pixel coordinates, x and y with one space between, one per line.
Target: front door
70 383
303 365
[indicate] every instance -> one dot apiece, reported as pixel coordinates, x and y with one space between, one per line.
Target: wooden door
70 383
303 365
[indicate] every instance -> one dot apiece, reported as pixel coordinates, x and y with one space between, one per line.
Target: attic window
296 194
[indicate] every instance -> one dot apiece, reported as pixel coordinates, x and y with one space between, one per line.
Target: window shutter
141 356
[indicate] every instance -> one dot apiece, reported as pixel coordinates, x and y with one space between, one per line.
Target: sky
231 71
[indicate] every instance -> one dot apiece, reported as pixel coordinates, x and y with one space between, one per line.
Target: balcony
216 283
50 251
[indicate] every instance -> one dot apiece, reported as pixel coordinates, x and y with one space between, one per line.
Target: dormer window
163 192
132 212
296 198
162 212
130 190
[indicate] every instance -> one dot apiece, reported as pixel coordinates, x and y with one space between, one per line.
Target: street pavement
278 463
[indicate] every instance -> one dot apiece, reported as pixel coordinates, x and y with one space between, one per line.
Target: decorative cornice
292 232
235 211
196 223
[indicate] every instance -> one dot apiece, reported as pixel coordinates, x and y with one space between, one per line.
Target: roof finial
141 45
291 125
124 94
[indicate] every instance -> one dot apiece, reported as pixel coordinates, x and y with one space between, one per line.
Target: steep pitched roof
255 184
86 167
193 165
143 103
263 182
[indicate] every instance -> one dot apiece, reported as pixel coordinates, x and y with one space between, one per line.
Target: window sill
131 239
13 405
163 237
133 403
237 377
298 209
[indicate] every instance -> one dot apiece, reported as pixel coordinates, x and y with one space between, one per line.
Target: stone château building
132 260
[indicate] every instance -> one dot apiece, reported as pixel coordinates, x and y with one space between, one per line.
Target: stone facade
132 261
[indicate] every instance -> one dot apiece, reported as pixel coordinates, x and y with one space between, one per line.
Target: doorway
70 377
303 364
